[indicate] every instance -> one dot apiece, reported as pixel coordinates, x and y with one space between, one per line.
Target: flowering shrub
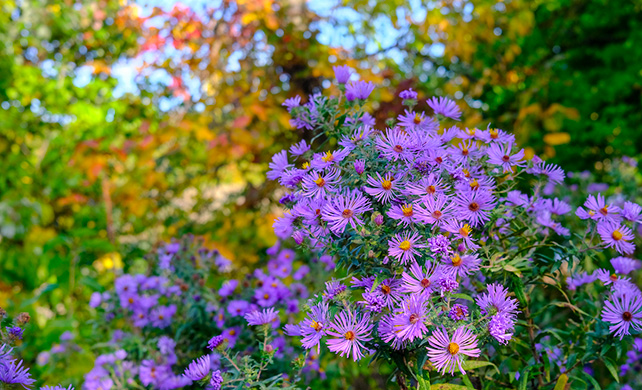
169 328
454 250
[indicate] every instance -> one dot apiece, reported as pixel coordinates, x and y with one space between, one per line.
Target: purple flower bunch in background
441 234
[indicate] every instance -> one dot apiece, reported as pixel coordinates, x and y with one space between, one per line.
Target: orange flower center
320 181
398 148
453 348
407 210
417 119
474 206
456 260
604 210
436 214
494 133
386 184
347 213
315 325
425 283
385 289
430 189
464 231
349 335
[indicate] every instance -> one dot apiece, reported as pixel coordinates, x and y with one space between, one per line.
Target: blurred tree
564 75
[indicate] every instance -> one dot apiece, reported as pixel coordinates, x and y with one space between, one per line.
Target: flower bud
23 318
379 220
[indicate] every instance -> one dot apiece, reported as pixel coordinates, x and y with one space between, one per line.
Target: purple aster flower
500 154
267 316
428 187
447 284
58 387
623 312
162 316
382 188
408 94
435 210
632 212
373 302
461 265
580 279
464 151
278 165
215 342
228 287
342 73
625 265
292 102
496 300
615 235
325 160
439 244
238 308
349 332
597 209
394 145
458 312
405 214
344 210
495 135
217 380
409 323
358 90
359 166
412 120
230 335
554 173
501 327
474 206
403 246
445 107
313 328
12 372
15 332
447 353
299 148
461 230
419 281
198 369
318 184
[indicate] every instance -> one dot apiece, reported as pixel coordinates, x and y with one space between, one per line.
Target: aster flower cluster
14 374
185 322
439 228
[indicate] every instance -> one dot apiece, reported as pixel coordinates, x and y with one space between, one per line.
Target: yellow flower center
305 165
404 245
465 230
474 184
417 119
386 184
617 235
431 189
315 325
349 335
320 181
494 133
385 289
604 210
453 348
456 260
328 157
407 210
466 172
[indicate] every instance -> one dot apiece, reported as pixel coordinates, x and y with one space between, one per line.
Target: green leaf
593 381
524 380
473 364
561 382
423 384
463 296
611 367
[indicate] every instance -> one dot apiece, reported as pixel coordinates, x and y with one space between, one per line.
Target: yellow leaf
555 139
